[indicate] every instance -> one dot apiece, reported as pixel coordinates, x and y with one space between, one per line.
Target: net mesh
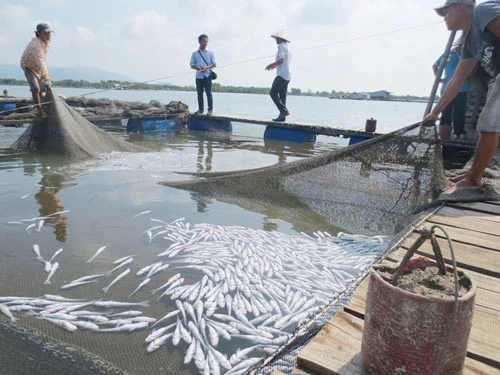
369 187
66 132
372 187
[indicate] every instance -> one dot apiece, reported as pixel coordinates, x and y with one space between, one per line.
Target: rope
371 36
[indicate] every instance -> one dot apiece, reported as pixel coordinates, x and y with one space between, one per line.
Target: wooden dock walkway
320 129
475 232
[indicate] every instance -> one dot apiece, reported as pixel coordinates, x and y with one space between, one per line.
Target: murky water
101 199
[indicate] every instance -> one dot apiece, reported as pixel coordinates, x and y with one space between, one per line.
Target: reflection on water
46 197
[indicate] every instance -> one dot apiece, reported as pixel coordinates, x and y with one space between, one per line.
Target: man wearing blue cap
34 65
481 49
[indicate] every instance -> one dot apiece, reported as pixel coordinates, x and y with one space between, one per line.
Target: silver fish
121 265
143 283
63 324
56 254
118 278
100 250
113 304
36 249
124 258
55 266
85 278
79 283
5 310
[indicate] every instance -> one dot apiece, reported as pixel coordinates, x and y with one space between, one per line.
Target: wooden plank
488 207
466 219
475 238
467 255
329 130
336 348
326 354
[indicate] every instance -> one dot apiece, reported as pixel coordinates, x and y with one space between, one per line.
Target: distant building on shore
360 96
380 95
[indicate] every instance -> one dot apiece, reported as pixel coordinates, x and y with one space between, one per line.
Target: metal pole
440 72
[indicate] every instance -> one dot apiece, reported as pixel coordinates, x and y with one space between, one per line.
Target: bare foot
462 184
457 178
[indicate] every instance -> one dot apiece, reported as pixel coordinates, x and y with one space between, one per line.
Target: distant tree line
216 87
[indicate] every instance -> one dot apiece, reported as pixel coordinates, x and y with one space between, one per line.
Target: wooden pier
319 129
475 232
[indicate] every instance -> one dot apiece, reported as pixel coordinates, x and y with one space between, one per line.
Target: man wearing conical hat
280 83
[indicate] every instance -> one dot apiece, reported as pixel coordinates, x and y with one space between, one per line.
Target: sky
342 45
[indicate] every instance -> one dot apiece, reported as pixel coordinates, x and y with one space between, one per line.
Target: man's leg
459 107
208 90
488 127
200 83
282 95
486 148
34 88
276 88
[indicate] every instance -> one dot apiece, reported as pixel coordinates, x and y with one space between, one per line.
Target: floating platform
210 123
157 124
474 230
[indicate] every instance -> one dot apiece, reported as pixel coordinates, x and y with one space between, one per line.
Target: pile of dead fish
217 283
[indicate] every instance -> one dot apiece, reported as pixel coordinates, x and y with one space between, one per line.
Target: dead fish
79 283
5 310
36 249
142 213
100 250
55 266
118 278
143 283
56 254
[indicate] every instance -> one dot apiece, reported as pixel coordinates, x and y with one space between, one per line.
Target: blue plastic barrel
286 134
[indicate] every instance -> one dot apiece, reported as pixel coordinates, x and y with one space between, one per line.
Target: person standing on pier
280 83
454 113
202 60
481 49
34 65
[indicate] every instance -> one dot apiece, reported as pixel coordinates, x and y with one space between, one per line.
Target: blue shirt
197 60
449 69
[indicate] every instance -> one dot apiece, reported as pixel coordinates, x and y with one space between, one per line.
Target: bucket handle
425 234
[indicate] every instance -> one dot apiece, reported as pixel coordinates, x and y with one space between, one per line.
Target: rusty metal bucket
408 333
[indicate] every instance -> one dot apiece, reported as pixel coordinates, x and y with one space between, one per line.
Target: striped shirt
33 58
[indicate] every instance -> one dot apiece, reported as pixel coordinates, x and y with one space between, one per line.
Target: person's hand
47 83
429 119
270 67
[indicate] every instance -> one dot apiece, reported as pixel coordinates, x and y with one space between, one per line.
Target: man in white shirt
280 83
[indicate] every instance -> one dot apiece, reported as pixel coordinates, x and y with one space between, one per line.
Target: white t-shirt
283 70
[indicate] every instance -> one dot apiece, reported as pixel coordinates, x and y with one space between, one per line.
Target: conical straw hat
281 35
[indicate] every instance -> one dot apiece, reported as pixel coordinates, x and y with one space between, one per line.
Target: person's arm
275 64
494 26
435 68
464 69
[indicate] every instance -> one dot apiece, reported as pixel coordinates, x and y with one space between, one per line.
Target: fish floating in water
250 285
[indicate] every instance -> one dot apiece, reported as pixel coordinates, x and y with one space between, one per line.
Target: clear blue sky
350 45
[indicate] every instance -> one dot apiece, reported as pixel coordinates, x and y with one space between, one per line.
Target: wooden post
440 72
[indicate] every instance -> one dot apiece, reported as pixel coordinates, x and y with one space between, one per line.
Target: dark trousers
278 93
204 84
454 113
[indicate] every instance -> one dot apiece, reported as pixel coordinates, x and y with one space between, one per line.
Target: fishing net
66 132
369 187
